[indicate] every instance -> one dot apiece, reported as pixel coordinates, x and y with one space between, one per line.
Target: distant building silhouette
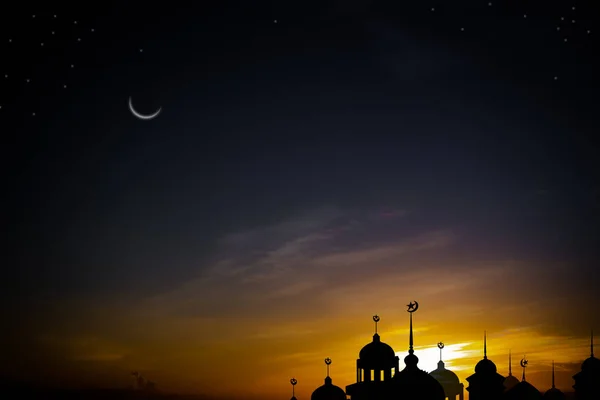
448 379
510 381
486 383
378 377
328 391
587 381
553 393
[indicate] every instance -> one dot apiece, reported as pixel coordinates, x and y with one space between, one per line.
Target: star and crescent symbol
328 361
524 362
440 345
376 318
412 306
293 381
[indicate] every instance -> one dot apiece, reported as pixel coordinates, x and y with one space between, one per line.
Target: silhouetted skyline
312 164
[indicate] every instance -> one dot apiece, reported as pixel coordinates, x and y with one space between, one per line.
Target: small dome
377 353
485 366
328 392
524 391
443 375
510 382
554 394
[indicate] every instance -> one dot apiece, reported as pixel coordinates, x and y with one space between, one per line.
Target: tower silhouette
412 382
587 381
486 383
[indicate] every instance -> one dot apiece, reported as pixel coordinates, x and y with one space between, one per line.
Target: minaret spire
293 381
412 307
509 363
553 387
485 345
592 344
328 363
440 346
376 319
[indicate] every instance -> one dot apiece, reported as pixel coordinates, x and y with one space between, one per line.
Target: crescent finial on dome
376 319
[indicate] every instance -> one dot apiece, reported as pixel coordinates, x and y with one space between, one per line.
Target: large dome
377 354
554 394
485 366
328 392
443 375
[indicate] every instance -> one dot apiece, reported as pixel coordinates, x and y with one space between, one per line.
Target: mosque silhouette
378 377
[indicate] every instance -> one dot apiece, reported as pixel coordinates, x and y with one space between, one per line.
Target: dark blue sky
361 107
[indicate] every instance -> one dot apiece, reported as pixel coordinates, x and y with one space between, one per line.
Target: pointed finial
553 387
376 319
293 381
485 345
412 307
440 346
592 344
328 363
509 363
524 364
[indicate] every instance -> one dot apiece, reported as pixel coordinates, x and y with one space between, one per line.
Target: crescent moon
523 363
142 116
416 306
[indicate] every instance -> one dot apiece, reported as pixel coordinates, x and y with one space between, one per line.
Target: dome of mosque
328 392
377 353
591 364
510 382
524 391
413 382
443 375
485 366
554 394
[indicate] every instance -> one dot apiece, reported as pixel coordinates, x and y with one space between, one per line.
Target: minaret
509 363
592 344
411 360
553 387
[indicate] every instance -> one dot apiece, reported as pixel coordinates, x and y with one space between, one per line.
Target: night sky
313 164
